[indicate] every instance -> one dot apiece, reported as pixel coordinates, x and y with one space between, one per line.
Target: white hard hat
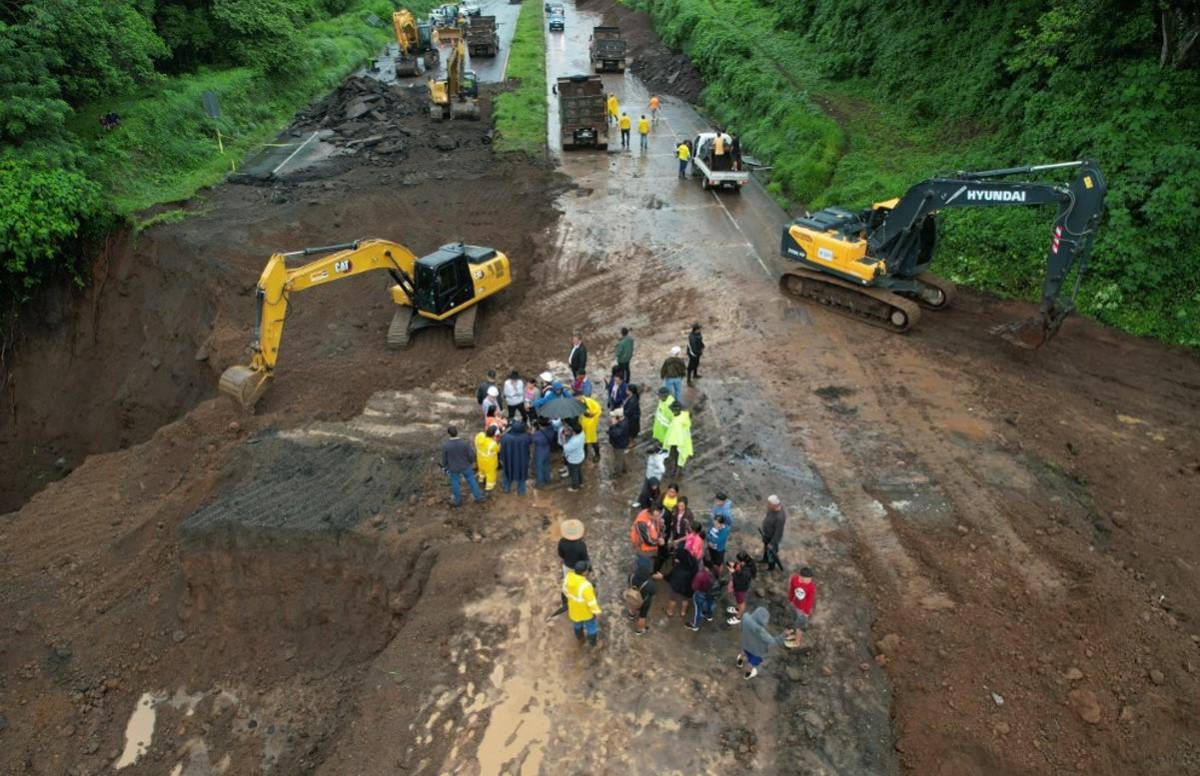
773 500
547 377
675 351
492 391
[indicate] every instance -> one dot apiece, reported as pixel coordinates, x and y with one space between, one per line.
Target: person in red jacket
802 593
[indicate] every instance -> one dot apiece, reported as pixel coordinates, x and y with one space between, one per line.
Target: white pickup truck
716 170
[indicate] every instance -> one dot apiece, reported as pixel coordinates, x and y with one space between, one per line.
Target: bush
520 114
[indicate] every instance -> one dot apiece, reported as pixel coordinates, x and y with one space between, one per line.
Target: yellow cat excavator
873 265
444 287
408 38
457 97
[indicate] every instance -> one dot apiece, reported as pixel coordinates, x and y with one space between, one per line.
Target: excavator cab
443 278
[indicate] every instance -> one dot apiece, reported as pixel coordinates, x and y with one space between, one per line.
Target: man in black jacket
577 359
772 532
695 350
618 437
458 461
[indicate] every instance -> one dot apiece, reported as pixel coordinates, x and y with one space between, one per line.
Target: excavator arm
277 282
899 235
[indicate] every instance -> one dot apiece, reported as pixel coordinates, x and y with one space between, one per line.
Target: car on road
558 21
555 7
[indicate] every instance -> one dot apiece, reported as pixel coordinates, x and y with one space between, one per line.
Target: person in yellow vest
663 415
582 608
644 132
614 109
590 421
654 109
683 154
487 456
625 125
679 440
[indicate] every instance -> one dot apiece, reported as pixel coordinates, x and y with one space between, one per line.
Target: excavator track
875 306
464 327
398 331
937 292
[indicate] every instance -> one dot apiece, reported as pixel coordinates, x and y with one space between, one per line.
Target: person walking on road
571 550
672 373
757 640
694 351
577 358
679 440
654 109
624 353
772 532
618 437
614 108
582 608
514 396
458 461
644 133
663 415
514 457
487 456
625 124
683 153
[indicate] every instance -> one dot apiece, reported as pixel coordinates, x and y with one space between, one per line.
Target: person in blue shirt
723 505
555 390
715 539
573 451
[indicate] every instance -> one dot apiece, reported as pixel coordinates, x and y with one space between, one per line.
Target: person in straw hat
571 550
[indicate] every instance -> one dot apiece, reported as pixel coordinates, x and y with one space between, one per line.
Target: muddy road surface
1004 542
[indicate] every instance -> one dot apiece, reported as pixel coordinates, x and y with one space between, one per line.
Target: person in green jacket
679 440
663 416
624 353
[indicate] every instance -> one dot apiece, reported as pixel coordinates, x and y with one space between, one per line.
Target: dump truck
607 50
482 38
582 113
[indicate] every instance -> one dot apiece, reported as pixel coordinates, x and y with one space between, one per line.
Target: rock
827 670
1001 728
794 673
962 529
67 731
864 666
234 427
178 636
888 644
444 143
92 746
1086 705
881 660
998 699
377 521
1073 674
1158 677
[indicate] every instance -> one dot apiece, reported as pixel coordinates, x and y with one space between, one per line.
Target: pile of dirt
661 69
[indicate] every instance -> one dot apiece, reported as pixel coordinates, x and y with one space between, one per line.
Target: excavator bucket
244 385
1031 333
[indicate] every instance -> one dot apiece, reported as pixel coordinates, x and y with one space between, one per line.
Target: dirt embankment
241 577
661 69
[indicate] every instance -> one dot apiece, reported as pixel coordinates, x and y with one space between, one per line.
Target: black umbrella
561 407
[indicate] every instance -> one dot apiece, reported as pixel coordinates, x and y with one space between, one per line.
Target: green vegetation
853 101
520 114
64 64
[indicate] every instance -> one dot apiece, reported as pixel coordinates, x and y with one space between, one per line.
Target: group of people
521 430
673 548
622 121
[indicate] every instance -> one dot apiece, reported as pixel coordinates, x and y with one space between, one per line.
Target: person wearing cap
487 456
618 437
678 440
772 532
514 395
624 353
488 382
672 373
694 351
571 550
582 608
663 415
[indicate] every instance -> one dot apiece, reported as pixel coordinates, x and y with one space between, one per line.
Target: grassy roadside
166 147
520 114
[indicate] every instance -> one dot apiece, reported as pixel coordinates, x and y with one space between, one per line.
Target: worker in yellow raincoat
614 108
590 421
582 608
679 440
487 456
663 415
